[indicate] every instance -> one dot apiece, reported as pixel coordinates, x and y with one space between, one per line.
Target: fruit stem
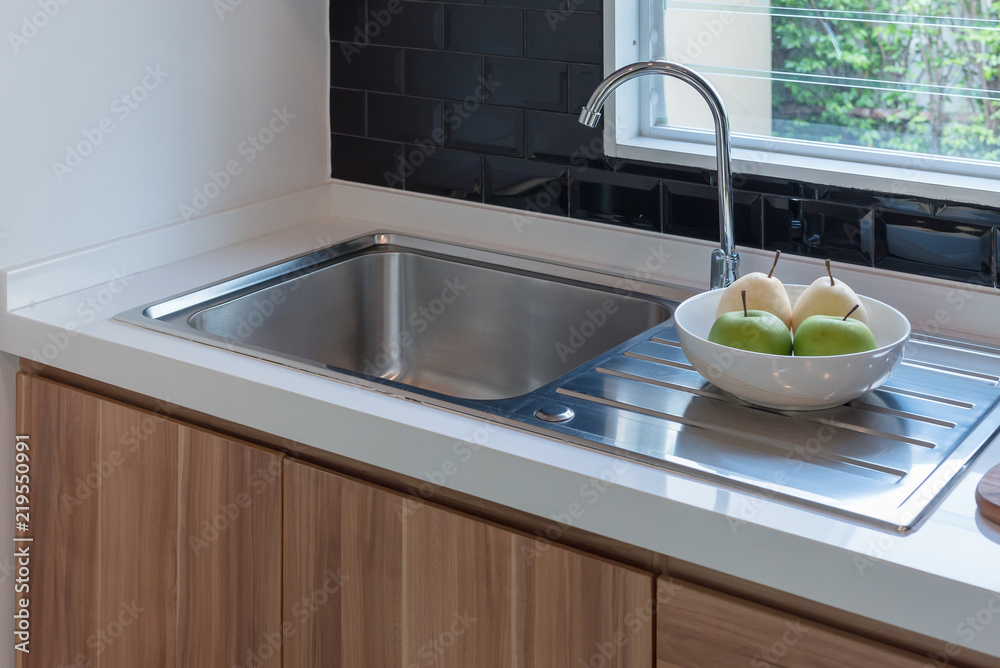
856 307
743 293
829 272
777 254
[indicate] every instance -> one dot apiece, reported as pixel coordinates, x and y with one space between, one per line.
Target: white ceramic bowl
789 382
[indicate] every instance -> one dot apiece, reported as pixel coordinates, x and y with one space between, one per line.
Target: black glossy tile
347 112
572 36
526 4
583 79
524 184
562 138
819 229
937 248
969 214
347 20
404 119
442 172
484 129
489 30
366 161
376 68
692 210
531 84
581 6
414 24
620 199
452 76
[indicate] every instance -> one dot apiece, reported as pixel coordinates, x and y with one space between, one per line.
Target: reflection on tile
616 198
583 79
562 138
366 161
819 229
486 129
453 76
937 248
402 118
526 4
524 184
532 84
692 210
573 36
442 172
489 30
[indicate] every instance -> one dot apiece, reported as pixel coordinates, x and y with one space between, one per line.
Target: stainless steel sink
593 359
420 314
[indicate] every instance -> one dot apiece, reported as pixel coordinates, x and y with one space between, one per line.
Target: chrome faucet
725 260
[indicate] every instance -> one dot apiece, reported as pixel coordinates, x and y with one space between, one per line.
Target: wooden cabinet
374 578
701 628
156 543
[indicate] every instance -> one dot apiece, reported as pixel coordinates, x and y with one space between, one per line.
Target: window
899 96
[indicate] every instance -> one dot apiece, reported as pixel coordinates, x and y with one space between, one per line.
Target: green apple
756 331
832 335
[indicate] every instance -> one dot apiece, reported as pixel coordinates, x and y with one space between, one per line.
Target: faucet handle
725 269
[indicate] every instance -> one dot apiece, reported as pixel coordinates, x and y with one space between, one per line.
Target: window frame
627 135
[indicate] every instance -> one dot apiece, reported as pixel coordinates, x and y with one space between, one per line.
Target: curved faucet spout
725 260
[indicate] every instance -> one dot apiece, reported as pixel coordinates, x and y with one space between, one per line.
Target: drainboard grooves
666 342
941 368
927 397
804 439
660 383
902 414
657 360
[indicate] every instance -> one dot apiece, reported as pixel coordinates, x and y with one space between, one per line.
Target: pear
827 296
764 293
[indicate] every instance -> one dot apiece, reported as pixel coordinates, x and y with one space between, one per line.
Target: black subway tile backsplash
366 160
376 68
404 119
414 24
484 129
531 84
620 199
562 138
494 31
442 172
347 111
501 82
573 36
536 187
453 76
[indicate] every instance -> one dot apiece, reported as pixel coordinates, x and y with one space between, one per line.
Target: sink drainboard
882 459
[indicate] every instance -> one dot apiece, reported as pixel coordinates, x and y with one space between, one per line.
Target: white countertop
941 580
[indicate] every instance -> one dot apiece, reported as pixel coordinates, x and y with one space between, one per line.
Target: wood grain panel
229 560
312 572
701 628
459 589
574 609
372 560
65 490
138 563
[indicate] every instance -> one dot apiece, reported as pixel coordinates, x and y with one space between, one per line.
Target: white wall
224 66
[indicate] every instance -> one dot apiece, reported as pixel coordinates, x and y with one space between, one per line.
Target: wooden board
988 495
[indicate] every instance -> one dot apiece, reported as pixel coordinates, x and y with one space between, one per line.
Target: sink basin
448 320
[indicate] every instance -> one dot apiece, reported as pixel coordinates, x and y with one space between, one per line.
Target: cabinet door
375 578
700 628
157 544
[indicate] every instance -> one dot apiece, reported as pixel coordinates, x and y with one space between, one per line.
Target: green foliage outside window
955 55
